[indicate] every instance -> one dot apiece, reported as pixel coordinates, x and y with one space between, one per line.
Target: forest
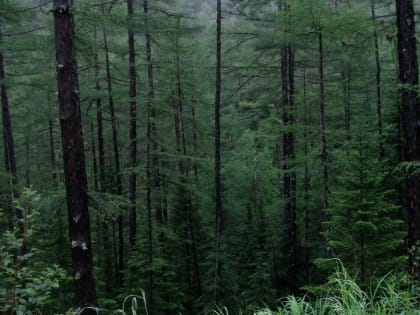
209 157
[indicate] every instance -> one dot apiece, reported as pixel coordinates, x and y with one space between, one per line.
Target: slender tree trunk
119 275
408 75
73 156
94 157
133 132
195 146
102 178
95 182
52 152
378 83
27 162
217 158
347 97
306 180
362 233
9 149
324 152
289 177
192 261
100 133
152 170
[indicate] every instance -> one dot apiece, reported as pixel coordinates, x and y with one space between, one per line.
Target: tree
288 145
363 223
217 156
409 80
133 130
378 82
152 164
73 156
9 147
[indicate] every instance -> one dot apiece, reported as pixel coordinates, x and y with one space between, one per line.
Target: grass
342 296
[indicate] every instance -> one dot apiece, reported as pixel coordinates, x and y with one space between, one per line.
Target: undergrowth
342 296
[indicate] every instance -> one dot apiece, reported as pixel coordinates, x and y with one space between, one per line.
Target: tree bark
195 146
324 152
306 180
378 83
27 162
152 167
192 267
289 176
408 76
9 148
346 75
133 132
120 274
94 157
73 156
217 157
102 178
52 152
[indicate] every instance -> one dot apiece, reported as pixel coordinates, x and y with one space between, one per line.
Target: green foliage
363 225
26 287
362 203
342 296
130 305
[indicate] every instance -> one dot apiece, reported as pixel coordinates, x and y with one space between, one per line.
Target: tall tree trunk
192 257
27 162
73 156
408 75
324 152
120 274
100 132
133 132
362 233
102 178
9 149
289 176
306 180
152 167
346 75
94 157
195 146
52 152
378 83
217 157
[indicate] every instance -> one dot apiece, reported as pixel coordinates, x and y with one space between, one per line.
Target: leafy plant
25 286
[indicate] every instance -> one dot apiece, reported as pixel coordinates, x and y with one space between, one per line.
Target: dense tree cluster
204 152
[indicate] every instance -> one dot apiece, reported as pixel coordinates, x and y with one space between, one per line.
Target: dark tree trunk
133 132
94 157
408 75
120 274
324 152
347 97
9 149
52 152
27 162
217 157
192 268
102 179
100 132
289 177
152 167
306 180
73 156
362 233
378 83
195 146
